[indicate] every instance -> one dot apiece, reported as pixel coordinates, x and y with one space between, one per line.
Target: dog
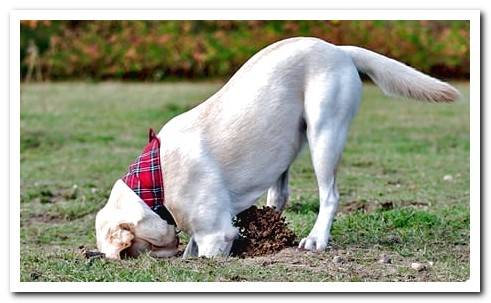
218 158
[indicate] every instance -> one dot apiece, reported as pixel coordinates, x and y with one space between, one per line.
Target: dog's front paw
313 243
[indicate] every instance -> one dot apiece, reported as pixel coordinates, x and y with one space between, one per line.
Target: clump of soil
262 231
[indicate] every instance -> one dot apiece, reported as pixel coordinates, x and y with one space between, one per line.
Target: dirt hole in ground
262 231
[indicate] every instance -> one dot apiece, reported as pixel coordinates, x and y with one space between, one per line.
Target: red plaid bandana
144 176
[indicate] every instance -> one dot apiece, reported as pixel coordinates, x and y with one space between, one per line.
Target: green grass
78 138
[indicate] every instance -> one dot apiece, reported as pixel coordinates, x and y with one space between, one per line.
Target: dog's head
127 224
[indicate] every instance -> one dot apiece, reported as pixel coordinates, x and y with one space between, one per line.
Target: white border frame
471 285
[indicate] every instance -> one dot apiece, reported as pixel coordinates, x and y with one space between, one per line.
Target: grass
78 138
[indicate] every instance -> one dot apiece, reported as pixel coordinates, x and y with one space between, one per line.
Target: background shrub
157 50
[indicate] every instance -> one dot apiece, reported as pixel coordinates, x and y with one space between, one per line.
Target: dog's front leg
217 237
216 244
206 198
212 231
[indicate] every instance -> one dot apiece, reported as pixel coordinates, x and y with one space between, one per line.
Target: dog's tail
396 78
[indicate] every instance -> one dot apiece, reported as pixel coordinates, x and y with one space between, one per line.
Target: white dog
220 157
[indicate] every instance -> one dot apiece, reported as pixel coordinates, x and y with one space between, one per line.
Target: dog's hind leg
328 113
278 193
191 249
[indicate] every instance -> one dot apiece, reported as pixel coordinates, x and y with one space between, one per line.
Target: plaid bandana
144 177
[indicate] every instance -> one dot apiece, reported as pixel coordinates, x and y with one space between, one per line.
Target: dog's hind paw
313 244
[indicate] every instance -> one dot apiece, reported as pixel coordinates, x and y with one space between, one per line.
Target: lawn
403 181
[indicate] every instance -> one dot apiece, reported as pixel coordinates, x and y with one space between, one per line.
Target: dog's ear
122 235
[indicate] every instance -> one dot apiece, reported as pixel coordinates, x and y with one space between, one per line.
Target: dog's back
260 112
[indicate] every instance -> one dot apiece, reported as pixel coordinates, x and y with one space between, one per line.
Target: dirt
348 264
52 196
262 231
336 264
44 218
371 206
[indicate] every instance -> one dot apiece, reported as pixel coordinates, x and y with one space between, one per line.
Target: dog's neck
145 178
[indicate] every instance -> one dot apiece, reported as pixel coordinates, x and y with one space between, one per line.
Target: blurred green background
166 50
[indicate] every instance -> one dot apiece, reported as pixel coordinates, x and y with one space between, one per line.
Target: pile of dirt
262 231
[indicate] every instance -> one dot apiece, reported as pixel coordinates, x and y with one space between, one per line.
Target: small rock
35 275
418 266
93 190
337 259
447 178
88 254
430 263
384 259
